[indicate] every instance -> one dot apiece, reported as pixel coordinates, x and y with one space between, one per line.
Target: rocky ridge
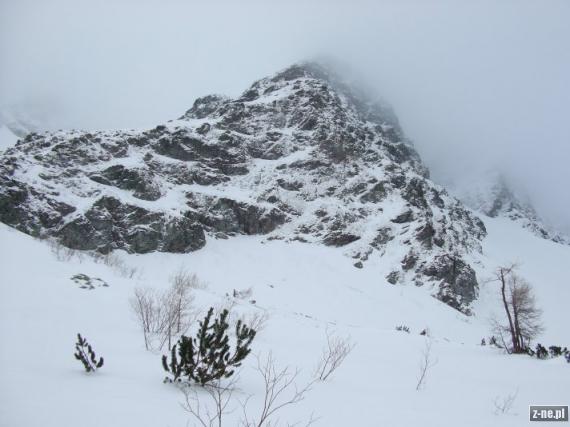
494 197
298 156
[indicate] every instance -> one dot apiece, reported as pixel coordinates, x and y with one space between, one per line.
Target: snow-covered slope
305 289
304 190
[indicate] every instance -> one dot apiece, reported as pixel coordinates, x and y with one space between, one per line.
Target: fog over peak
476 85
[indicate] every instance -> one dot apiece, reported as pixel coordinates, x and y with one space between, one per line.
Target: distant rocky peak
493 194
368 105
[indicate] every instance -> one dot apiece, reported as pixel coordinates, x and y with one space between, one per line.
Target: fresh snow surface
306 290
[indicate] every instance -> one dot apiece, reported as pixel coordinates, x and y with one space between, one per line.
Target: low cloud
473 83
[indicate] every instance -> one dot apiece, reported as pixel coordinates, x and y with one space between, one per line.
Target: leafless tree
523 317
280 391
219 394
183 278
177 307
116 262
426 363
334 353
526 314
63 253
144 304
163 316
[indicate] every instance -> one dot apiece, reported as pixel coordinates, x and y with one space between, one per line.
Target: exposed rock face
109 224
141 181
458 286
299 156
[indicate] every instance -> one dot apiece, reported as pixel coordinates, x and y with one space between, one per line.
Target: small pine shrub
207 357
555 351
85 354
483 342
403 328
541 352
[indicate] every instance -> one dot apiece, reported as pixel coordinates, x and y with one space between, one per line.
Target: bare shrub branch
256 320
426 363
504 404
111 259
280 391
145 305
220 395
333 355
63 253
183 278
163 316
116 262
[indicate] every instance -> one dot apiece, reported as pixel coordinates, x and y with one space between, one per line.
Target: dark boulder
425 235
409 261
340 239
376 194
250 95
109 224
229 216
140 181
407 216
393 277
204 129
383 236
205 106
289 185
13 195
458 282
415 193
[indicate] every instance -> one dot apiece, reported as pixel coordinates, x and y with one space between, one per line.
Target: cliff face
299 156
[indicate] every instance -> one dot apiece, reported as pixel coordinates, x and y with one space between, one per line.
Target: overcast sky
472 82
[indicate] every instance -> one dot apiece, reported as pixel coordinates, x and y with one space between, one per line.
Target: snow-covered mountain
299 156
491 194
305 195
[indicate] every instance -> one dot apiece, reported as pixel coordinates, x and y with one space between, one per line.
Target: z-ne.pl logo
548 413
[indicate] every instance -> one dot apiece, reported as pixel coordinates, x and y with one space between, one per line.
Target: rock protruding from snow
298 156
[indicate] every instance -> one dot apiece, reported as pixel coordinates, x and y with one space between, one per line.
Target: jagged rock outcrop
299 156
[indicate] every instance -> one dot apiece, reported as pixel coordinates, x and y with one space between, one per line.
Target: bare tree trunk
517 328
502 273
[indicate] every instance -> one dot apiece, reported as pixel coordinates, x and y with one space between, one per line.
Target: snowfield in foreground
306 290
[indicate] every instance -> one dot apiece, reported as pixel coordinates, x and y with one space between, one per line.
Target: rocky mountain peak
299 156
495 197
